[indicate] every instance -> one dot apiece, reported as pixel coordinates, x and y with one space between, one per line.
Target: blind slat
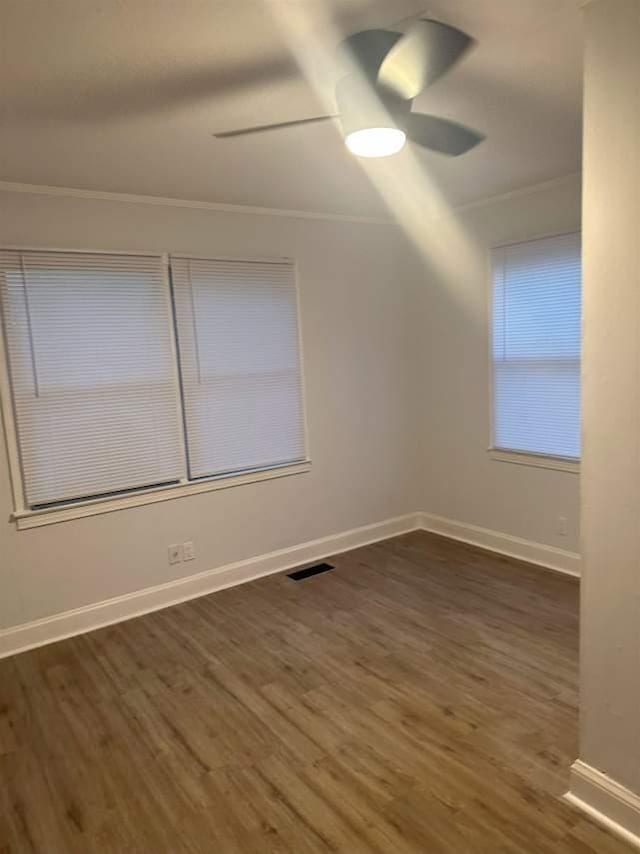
92 373
536 346
240 364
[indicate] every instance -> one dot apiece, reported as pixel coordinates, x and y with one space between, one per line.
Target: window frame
507 455
25 518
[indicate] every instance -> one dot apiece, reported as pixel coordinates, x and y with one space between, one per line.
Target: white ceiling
123 96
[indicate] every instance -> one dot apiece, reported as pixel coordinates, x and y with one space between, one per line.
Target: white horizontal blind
238 341
536 346
92 371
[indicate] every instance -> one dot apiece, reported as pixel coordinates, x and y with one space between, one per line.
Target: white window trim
507 455
539 461
26 518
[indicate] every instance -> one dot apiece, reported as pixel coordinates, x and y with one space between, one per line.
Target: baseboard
606 801
68 623
495 541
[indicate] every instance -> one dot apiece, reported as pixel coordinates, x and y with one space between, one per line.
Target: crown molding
518 193
165 201
250 210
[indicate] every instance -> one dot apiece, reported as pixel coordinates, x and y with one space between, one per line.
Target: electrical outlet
188 551
562 526
175 554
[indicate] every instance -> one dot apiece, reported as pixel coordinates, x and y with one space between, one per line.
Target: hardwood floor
419 698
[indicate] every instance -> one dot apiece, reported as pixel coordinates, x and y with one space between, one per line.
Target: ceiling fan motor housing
362 105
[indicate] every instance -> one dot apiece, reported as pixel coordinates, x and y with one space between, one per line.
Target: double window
535 353
129 373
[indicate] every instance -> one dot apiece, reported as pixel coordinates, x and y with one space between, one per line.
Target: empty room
320 419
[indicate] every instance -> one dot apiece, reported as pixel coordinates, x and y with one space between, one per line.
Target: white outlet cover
188 552
175 554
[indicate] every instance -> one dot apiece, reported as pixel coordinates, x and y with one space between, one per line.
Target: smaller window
240 364
535 352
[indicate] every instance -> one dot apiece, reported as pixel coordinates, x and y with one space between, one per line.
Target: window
102 401
240 364
536 347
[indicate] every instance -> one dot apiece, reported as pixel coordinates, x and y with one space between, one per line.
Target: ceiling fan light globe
376 142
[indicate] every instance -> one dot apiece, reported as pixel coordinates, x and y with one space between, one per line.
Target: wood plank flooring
419 698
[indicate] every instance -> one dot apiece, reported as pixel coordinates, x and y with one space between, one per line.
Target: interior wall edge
606 801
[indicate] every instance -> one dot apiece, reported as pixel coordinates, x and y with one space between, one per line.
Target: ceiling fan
374 102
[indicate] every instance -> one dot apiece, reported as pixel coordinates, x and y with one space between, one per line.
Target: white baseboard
495 541
68 623
606 801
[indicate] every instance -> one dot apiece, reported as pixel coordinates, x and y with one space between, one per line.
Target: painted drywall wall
395 350
610 617
459 480
356 313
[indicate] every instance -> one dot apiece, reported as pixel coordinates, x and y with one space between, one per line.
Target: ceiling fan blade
368 49
227 134
425 53
441 135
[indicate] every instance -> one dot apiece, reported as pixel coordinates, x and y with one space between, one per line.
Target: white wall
361 413
610 650
395 348
459 480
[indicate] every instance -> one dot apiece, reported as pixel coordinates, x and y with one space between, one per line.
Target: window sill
25 519
535 460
